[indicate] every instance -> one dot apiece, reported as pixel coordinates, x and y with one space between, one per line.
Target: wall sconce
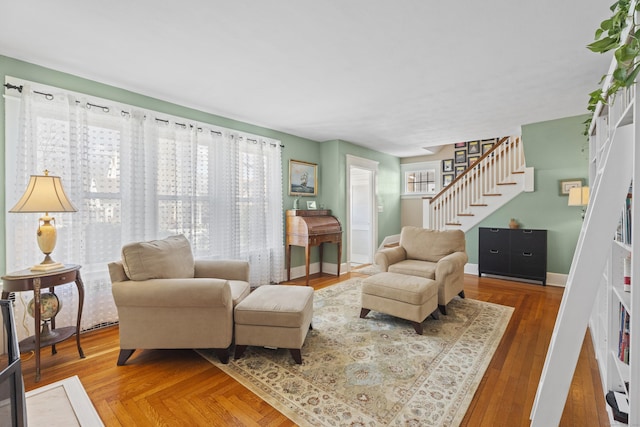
45 194
579 196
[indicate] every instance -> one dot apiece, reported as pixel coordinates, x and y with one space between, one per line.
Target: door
362 219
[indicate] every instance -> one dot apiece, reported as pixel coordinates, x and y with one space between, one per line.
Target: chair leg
223 354
435 314
364 312
418 327
240 351
297 356
124 356
443 309
461 294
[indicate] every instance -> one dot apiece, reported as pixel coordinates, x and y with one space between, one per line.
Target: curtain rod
106 109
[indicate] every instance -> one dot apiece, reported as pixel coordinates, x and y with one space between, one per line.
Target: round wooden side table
27 280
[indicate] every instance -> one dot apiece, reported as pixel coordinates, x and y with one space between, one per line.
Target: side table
27 280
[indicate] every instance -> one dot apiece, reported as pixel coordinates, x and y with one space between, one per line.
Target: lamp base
47 267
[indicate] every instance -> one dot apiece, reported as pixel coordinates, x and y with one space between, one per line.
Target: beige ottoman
274 316
408 297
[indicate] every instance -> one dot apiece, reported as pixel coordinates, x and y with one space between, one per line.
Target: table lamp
579 196
45 194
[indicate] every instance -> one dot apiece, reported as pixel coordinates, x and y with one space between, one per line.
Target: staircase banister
469 169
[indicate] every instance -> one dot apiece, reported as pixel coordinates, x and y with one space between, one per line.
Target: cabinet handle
494 230
527 231
527 254
494 251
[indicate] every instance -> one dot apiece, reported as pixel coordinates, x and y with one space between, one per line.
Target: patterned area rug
376 371
369 270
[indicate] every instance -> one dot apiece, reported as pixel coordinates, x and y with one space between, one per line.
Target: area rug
369 270
376 371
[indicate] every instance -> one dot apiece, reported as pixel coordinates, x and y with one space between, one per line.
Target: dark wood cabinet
513 252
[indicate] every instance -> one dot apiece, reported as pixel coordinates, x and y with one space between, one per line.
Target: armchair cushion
430 245
169 258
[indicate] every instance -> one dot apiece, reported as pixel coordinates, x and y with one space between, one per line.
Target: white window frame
407 168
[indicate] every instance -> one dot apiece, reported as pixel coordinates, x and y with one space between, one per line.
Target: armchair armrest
172 293
388 256
222 269
450 263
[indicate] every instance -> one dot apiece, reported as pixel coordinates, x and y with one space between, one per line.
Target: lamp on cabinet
579 196
45 194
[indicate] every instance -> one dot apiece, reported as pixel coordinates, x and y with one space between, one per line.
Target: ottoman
274 316
409 297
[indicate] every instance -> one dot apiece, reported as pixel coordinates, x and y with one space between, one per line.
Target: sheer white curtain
137 176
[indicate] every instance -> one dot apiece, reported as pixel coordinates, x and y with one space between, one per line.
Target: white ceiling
394 76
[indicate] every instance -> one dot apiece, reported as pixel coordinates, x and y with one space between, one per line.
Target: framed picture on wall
473 159
447 165
473 147
460 145
447 178
486 146
303 178
567 184
460 156
460 169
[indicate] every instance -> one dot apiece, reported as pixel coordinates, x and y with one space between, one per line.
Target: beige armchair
166 299
437 255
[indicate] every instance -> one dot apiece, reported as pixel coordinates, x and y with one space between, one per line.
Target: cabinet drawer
493 261
494 238
530 265
529 240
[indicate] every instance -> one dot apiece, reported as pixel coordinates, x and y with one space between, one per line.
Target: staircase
497 177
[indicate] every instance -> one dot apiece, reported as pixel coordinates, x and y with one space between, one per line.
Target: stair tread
478 204
507 183
466 214
452 223
518 172
492 194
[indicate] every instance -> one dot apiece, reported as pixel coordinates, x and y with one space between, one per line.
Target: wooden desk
27 280
309 228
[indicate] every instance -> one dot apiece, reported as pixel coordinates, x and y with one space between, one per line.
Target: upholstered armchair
437 255
166 299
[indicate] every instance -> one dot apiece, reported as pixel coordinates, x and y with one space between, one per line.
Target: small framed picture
303 178
461 156
460 145
567 184
473 147
447 165
486 146
311 205
460 169
473 159
447 179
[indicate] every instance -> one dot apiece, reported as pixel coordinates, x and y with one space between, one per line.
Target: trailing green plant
609 37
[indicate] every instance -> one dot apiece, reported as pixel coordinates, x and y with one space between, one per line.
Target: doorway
362 227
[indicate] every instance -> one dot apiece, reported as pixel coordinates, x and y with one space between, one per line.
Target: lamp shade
44 194
579 196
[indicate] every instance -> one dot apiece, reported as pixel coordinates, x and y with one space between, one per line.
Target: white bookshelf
594 292
618 124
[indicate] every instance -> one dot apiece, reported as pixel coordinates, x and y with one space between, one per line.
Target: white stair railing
480 182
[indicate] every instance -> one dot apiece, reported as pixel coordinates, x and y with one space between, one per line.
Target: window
421 178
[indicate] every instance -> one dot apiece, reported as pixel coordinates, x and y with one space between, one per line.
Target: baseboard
553 279
327 267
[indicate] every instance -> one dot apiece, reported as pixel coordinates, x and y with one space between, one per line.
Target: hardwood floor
179 388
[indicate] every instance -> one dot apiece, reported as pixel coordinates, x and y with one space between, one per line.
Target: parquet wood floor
179 388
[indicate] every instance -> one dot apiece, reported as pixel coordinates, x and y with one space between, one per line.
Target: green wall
555 150
330 167
333 155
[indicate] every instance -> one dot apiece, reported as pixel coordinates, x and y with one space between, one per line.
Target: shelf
60 335
623 296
